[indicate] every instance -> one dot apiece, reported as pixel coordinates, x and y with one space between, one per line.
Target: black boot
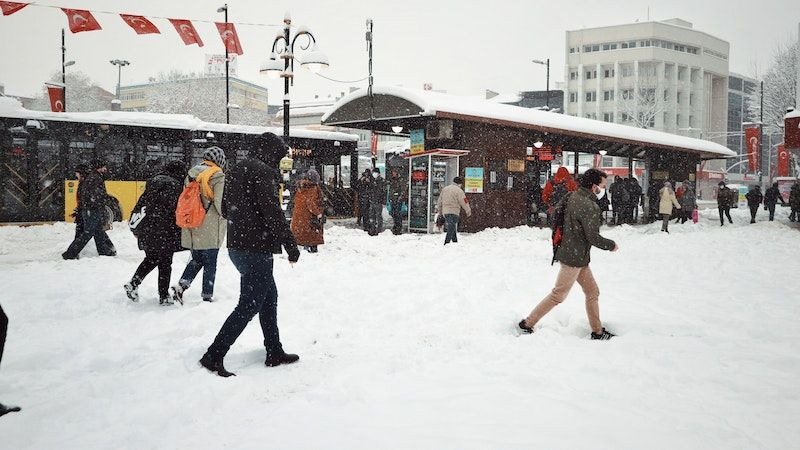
524 328
280 357
8 409
215 365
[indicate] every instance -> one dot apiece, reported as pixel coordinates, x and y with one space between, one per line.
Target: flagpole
64 68
224 9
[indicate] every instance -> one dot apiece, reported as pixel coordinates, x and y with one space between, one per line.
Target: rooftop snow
432 103
793 114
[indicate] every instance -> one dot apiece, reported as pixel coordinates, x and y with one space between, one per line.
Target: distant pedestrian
398 193
667 200
771 198
362 188
619 200
205 241
754 200
451 201
634 199
557 188
794 202
307 217
377 201
257 229
688 201
80 174
3 332
603 203
725 199
580 231
92 201
155 229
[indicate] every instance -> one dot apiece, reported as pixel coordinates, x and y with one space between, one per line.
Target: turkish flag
10 8
81 20
56 94
783 161
187 32
229 37
140 24
751 138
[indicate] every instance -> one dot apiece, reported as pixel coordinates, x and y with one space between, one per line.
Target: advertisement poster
473 180
418 202
516 165
417 141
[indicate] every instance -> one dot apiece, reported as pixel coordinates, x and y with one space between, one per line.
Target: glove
294 254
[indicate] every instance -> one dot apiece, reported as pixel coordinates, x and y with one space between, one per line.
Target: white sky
461 46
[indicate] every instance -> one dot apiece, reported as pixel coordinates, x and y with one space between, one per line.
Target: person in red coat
557 188
307 214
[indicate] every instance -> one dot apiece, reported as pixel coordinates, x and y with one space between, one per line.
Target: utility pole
64 68
369 93
761 139
224 8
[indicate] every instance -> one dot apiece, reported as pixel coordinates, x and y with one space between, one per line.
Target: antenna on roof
648 13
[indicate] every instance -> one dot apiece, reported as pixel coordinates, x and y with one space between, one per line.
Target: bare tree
641 105
780 87
83 94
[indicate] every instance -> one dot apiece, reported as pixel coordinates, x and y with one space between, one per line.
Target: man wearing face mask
581 232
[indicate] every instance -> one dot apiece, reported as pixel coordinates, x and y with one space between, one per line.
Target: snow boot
177 292
524 328
166 301
67 256
207 298
604 336
280 357
132 289
8 409
215 365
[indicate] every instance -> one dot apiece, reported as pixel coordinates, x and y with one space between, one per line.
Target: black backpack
558 216
559 192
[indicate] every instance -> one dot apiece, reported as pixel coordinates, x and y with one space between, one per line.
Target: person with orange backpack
153 223
203 228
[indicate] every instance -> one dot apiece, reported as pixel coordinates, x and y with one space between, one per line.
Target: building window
608 117
606 46
632 44
691 121
607 161
624 45
627 71
691 101
591 74
592 116
573 75
665 118
613 46
572 49
678 119
680 74
627 94
591 96
608 96
596 48
666 95
679 97
573 97
608 73
626 117
587 48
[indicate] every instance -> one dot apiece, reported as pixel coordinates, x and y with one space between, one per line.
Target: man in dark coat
725 199
3 330
257 229
634 199
80 174
581 232
754 199
619 200
771 198
398 191
92 200
362 188
377 200
156 231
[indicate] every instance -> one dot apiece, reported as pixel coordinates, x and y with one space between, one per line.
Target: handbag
440 221
695 216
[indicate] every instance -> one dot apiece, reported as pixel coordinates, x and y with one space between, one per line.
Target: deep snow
408 344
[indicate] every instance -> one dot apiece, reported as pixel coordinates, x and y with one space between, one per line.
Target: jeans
727 211
258 295
451 226
3 331
92 220
665 222
363 212
397 216
753 212
205 260
375 218
162 260
771 209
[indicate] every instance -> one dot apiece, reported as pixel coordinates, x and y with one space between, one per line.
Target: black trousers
3 331
363 213
771 209
162 260
753 212
727 211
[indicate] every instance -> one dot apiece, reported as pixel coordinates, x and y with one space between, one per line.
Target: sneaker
132 291
524 328
166 301
177 293
215 366
281 357
604 336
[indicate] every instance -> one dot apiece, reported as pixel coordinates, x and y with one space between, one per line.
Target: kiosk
428 173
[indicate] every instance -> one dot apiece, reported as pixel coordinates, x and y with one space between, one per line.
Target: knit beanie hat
313 176
216 155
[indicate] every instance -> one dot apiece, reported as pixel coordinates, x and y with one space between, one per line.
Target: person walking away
725 199
451 201
619 200
771 198
754 199
3 332
688 201
580 231
307 226
205 241
92 206
155 229
377 200
794 202
398 192
257 229
362 188
666 201
634 199
556 189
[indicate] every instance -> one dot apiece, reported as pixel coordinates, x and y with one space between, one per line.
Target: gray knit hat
313 176
216 155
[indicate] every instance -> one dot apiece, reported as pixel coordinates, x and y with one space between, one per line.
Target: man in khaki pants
581 231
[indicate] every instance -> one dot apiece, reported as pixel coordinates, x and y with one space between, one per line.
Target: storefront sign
417 141
660 175
516 165
418 202
473 180
374 145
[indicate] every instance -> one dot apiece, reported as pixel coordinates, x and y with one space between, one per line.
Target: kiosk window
498 174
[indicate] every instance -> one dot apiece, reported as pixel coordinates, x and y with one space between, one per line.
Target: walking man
754 199
725 199
92 200
771 198
398 188
451 201
257 229
377 200
581 231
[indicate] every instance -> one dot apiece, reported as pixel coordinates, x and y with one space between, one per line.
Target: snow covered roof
12 108
792 115
469 108
306 111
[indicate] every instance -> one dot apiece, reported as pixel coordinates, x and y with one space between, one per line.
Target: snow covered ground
406 344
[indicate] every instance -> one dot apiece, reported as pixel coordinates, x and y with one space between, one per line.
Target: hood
175 169
270 149
562 175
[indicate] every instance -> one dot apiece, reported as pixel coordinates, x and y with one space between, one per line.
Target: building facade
742 91
243 93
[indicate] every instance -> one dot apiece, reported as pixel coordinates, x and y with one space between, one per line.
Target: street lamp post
545 63
64 65
313 60
120 64
224 8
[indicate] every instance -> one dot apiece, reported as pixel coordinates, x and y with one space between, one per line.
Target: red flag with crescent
81 20
140 24
783 161
229 37
10 8
56 94
187 32
751 138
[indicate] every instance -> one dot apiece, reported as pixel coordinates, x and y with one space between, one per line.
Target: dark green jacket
581 230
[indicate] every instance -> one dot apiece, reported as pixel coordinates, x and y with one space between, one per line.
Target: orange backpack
190 212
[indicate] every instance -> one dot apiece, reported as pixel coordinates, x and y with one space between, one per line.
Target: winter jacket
362 187
726 197
377 191
211 234
250 202
754 197
689 200
562 177
581 230
398 189
772 196
158 232
92 192
634 191
794 196
619 194
452 200
667 200
306 216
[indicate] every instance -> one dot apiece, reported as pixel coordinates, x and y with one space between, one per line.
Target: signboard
417 141
516 165
660 175
215 65
751 137
418 200
792 130
473 180
374 145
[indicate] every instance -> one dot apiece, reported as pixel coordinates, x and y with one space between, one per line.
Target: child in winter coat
153 224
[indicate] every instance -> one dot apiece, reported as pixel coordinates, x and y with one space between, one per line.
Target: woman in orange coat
307 214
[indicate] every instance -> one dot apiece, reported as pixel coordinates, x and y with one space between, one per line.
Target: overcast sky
462 46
